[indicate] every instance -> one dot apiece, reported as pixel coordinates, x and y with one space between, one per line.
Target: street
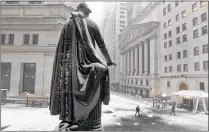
119 115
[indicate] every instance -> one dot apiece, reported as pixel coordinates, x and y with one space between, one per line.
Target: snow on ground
21 118
183 117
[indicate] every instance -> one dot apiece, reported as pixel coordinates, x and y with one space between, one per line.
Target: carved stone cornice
31 27
142 30
33 20
23 48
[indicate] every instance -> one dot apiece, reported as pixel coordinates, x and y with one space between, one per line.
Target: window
177 3
178 68
170 69
194 7
195 33
169 7
195 22
35 2
178 41
11 38
164 24
205 65
147 82
185 54
12 2
122 22
122 12
35 38
122 26
165 36
203 3
170 56
185 67
168 84
205 48
169 34
164 11
26 38
203 17
165 57
184 27
202 86
170 43
165 45
5 75
204 30
141 82
196 66
165 69
178 55
177 30
183 13
196 50
184 38
122 8
3 38
177 17
121 16
169 22
123 4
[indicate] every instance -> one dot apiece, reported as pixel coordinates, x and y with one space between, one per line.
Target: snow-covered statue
80 79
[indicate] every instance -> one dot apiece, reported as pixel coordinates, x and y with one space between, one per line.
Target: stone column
153 55
145 56
129 58
135 59
141 58
132 60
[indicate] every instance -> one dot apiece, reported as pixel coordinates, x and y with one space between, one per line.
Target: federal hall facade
30 32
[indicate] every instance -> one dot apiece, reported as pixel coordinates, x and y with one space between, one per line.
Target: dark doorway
5 75
29 72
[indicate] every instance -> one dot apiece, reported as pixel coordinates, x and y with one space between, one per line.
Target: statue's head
83 7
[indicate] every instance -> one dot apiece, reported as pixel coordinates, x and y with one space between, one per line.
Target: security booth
192 100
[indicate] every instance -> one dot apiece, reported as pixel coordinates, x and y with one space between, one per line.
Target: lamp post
27 94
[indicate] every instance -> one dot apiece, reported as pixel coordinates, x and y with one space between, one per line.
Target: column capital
153 36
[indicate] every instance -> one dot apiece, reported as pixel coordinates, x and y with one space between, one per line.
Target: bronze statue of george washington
80 79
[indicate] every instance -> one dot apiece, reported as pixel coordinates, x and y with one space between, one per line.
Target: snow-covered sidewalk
21 118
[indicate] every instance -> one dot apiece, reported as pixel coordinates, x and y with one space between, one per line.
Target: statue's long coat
79 75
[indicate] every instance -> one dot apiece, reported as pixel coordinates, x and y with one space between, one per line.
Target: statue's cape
77 83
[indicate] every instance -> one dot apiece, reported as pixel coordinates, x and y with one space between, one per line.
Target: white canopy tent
194 94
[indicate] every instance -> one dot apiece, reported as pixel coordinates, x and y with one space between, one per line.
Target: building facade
180 57
184 46
139 49
30 32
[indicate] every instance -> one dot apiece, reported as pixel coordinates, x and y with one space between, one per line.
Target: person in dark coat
80 78
137 110
173 108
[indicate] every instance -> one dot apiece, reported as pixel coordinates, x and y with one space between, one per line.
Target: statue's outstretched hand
111 63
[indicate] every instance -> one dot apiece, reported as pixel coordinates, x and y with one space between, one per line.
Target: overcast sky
97 11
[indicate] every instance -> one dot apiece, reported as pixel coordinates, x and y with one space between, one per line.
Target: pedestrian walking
137 111
173 108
